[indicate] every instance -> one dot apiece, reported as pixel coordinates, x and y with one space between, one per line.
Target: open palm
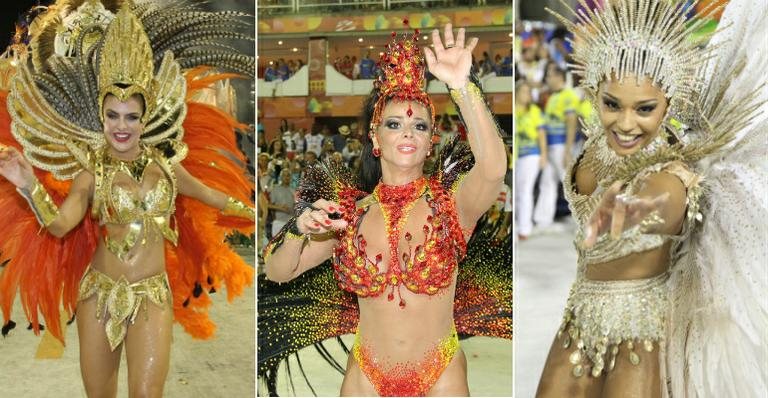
451 60
14 167
616 213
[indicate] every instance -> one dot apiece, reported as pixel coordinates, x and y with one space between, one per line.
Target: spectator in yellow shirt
531 149
561 122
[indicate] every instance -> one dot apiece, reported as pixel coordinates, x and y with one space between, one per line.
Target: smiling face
404 140
631 114
122 125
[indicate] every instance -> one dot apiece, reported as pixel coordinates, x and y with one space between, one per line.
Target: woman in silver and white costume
670 199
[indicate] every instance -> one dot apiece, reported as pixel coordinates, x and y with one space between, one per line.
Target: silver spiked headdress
644 38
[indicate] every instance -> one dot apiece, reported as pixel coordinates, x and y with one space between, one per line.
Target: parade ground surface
223 366
220 367
545 268
489 364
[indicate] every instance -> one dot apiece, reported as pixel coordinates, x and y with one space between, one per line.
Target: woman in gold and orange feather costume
118 189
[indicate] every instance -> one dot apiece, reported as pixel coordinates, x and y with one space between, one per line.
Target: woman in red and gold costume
130 195
396 239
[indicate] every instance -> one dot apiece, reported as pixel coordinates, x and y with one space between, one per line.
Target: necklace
396 202
604 161
134 168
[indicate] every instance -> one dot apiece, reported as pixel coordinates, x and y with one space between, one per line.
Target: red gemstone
378 258
390 296
408 236
409 112
402 303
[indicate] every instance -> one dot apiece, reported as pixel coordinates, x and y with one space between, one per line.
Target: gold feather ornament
125 66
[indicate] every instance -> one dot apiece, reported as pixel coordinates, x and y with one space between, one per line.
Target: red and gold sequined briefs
410 378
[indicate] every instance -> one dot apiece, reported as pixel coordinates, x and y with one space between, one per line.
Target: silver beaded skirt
602 315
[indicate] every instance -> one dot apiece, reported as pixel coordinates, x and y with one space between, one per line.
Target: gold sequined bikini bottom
601 315
406 379
118 302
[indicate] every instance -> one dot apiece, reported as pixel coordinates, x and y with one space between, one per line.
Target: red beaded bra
425 269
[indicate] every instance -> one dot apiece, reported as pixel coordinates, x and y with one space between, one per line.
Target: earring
376 152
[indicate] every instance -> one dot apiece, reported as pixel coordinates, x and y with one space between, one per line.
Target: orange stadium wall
302 111
384 21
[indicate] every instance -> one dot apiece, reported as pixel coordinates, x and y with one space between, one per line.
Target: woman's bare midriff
143 261
641 265
404 333
146 258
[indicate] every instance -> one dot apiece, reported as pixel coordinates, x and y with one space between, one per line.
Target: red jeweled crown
403 76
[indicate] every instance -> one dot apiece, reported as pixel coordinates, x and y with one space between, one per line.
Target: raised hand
315 218
15 168
451 60
619 212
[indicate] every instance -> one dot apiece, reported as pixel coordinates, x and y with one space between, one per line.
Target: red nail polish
328 222
331 208
317 224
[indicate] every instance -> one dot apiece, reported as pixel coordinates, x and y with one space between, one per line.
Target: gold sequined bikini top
632 169
147 216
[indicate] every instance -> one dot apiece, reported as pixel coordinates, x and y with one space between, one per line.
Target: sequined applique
145 217
405 379
602 315
425 269
118 302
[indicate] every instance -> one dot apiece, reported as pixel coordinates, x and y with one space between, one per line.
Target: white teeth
626 137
